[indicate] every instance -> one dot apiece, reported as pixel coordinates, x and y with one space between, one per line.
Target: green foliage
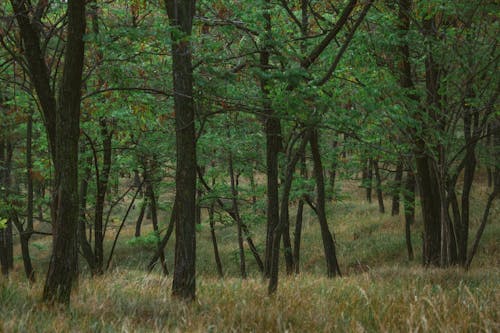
3 223
150 240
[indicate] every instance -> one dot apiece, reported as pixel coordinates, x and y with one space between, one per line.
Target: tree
181 13
61 116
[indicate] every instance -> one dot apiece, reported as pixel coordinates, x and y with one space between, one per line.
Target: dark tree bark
61 121
272 128
235 209
120 228
29 178
409 203
396 189
368 179
280 227
102 179
489 169
332 265
218 262
181 15
24 236
495 131
199 195
165 239
297 236
380 197
6 242
470 120
63 263
332 172
86 248
140 218
154 219
298 222
244 227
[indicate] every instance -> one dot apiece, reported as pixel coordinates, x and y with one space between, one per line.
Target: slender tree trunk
378 179
85 246
24 237
280 227
253 187
462 225
4 251
235 208
368 181
287 244
273 146
304 29
181 15
120 228
28 267
154 218
218 262
244 227
489 169
140 218
298 235
6 241
165 239
332 265
492 196
332 172
298 221
409 202
102 189
396 189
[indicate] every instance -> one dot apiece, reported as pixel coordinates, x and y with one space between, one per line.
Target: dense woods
142 126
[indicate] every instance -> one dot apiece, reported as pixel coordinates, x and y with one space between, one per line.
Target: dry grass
380 291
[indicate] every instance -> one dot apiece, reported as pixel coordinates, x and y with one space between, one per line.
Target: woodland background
252 165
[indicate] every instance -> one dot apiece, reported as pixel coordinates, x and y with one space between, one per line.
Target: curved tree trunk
332 265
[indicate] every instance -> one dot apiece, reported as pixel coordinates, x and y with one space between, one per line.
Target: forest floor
380 291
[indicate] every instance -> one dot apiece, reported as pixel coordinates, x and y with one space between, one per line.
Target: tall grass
381 291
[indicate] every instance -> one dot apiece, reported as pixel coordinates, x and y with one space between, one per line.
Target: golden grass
380 291
392 299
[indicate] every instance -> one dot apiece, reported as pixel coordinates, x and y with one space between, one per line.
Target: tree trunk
181 15
492 196
378 179
273 146
84 243
235 209
24 237
6 241
154 218
332 265
368 180
140 218
280 227
462 225
29 178
396 189
409 203
102 179
166 237
218 262
63 262
298 221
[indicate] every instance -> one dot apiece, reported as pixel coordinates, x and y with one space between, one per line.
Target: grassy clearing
381 291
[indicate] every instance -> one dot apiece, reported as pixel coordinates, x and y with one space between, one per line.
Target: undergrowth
380 291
